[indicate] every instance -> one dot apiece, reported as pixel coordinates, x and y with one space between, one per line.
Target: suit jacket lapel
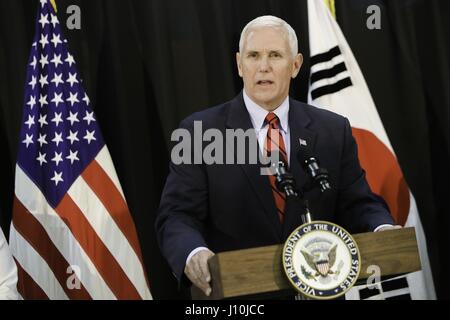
239 118
299 121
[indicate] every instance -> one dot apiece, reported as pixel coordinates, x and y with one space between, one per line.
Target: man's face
266 66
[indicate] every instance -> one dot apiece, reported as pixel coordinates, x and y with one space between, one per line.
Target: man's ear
298 62
238 63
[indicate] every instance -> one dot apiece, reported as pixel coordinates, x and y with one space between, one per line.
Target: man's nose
264 65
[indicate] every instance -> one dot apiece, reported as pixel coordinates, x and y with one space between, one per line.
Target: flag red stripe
383 172
27 287
30 228
105 189
101 257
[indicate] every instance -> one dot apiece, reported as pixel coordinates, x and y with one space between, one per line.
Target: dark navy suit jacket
230 207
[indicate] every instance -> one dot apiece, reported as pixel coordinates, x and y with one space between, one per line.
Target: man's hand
385 228
198 272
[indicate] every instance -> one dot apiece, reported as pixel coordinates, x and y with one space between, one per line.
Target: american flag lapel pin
302 142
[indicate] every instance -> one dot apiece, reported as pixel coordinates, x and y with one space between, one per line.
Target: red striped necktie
275 143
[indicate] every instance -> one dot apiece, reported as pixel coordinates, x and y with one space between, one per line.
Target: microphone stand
285 182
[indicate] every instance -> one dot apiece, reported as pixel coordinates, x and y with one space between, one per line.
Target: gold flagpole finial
331 6
53 2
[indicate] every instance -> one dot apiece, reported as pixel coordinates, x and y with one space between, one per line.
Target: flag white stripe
377 297
424 278
327 64
395 293
34 201
329 81
111 235
36 267
104 160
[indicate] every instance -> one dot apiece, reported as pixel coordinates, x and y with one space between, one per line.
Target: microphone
284 180
309 162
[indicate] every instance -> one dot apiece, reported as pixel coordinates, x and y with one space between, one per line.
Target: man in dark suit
214 207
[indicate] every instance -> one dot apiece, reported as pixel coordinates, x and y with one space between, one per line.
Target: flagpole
53 2
331 5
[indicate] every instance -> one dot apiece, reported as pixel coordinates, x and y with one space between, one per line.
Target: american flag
72 235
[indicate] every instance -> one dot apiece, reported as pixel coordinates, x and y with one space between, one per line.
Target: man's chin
266 101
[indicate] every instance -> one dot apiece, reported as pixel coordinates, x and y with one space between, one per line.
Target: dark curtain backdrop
148 64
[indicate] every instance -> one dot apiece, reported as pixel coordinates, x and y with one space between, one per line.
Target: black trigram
338 67
396 289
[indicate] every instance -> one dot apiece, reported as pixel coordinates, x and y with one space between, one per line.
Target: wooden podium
259 271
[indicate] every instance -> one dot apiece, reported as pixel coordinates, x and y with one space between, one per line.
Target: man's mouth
264 82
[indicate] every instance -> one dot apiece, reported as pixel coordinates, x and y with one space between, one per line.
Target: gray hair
271 21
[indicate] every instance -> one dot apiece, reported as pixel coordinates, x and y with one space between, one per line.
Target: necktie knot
272 120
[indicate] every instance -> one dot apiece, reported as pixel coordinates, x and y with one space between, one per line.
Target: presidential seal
321 260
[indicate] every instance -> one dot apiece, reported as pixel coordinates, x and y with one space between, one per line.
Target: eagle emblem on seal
321 257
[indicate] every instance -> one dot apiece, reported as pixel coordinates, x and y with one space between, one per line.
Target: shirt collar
258 114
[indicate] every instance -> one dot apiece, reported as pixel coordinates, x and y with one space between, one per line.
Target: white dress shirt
8 272
258 115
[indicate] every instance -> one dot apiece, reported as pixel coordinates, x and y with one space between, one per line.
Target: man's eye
275 55
252 55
